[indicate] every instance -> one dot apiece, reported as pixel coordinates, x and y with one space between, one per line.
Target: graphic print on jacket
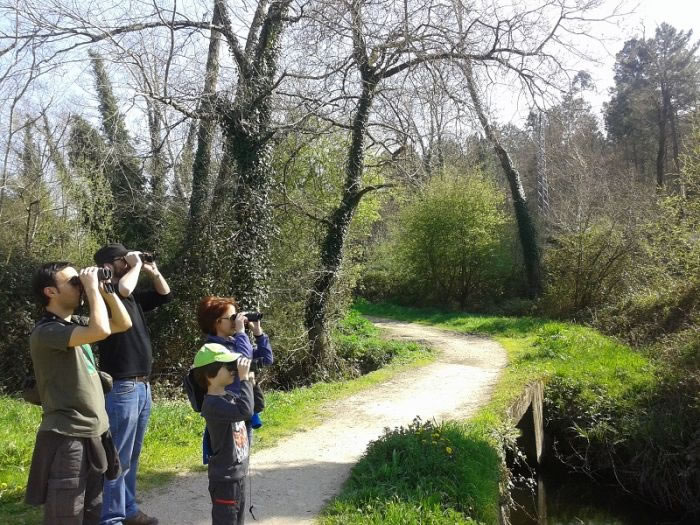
240 441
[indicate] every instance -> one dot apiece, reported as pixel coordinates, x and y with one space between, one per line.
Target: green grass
174 437
400 481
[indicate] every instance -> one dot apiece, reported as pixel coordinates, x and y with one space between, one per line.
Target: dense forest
302 155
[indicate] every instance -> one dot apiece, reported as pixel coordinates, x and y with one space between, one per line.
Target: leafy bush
587 267
17 316
448 247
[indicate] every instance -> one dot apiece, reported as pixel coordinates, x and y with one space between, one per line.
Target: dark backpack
194 392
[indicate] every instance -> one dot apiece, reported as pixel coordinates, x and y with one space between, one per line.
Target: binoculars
253 316
147 257
103 274
255 364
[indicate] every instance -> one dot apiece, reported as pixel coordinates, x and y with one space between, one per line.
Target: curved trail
293 480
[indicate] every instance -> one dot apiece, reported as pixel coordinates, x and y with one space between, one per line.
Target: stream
570 499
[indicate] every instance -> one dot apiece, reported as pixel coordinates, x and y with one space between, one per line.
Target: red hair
212 308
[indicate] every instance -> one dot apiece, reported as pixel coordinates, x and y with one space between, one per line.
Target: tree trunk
247 213
526 226
201 167
661 152
158 172
316 315
676 151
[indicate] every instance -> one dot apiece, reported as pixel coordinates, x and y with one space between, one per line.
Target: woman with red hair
222 323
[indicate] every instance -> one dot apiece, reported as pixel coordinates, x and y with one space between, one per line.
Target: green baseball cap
214 353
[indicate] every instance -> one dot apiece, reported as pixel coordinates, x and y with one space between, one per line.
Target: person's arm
98 326
217 408
120 321
258 399
159 283
240 339
262 344
263 349
127 284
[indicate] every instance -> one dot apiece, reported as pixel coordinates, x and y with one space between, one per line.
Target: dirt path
292 481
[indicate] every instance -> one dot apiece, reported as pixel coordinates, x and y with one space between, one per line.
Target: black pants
74 495
227 502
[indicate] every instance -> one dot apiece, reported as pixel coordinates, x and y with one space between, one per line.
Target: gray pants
74 495
227 502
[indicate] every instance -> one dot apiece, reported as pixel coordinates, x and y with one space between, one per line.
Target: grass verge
173 440
408 478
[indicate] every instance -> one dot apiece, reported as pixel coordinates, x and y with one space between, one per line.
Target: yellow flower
3 486
448 450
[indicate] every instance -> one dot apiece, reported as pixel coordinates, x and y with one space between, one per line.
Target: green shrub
17 316
448 247
587 267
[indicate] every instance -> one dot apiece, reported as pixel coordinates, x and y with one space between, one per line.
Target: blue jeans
128 408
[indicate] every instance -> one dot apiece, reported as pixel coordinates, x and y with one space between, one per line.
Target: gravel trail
293 480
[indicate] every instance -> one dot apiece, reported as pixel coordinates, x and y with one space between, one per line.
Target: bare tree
384 42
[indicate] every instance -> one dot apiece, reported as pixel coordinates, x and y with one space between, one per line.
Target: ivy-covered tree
132 223
90 188
31 186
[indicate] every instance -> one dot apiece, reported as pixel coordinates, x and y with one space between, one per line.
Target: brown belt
137 379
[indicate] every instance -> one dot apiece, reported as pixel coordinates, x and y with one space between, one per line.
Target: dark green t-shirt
69 385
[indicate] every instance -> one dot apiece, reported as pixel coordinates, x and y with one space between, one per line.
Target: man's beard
121 272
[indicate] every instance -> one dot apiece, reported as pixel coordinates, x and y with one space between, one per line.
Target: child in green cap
225 413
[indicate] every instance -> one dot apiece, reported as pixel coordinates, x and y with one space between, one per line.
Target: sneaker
140 519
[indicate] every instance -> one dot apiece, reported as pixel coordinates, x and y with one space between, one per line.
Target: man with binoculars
128 357
70 454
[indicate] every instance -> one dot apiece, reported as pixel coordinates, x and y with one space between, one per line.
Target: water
576 500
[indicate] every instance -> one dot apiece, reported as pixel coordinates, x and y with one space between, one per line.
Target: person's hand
257 329
88 278
251 378
133 259
151 269
239 323
103 291
243 368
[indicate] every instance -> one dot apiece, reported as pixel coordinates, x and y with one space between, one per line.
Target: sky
643 18
682 14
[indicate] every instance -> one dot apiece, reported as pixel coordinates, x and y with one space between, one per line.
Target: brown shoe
140 519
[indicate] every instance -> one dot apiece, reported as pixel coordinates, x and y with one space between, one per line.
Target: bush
448 247
587 267
17 316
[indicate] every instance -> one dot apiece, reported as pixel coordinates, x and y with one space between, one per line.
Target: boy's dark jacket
226 416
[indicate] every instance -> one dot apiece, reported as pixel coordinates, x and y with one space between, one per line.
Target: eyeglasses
231 317
74 281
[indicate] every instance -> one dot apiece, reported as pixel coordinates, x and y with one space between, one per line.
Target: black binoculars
103 274
253 316
147 257
255 364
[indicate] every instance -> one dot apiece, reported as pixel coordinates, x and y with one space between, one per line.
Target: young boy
225 413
